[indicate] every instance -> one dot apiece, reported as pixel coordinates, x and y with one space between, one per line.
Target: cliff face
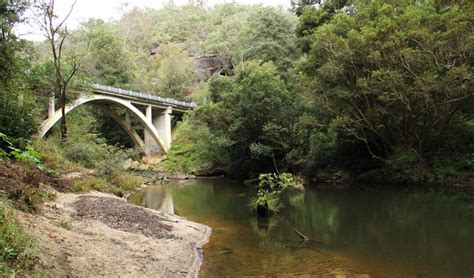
212 64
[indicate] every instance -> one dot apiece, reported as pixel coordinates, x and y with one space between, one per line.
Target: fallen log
303 237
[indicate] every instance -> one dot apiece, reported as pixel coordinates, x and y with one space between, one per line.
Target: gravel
120 215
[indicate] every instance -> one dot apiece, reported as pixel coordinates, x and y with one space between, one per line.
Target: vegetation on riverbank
381 90
18 251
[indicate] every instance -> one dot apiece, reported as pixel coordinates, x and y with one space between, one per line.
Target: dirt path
98 234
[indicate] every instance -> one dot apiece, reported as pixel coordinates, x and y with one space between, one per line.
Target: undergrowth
18 251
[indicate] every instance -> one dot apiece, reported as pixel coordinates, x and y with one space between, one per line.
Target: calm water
353 232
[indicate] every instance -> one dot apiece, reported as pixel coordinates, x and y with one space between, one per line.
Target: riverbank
98 234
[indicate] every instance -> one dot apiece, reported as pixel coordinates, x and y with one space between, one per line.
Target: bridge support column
162 122
51 108
150 144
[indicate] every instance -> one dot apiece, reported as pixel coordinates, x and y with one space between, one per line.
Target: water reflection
382 233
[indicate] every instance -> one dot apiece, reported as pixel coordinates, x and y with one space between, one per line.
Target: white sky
111 9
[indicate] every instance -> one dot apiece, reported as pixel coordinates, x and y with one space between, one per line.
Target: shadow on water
383 233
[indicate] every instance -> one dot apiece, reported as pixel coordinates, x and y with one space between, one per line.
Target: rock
127 165
212 64
142 167
181 176
333 176
208 170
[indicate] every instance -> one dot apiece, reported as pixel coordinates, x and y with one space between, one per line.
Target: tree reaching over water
399 76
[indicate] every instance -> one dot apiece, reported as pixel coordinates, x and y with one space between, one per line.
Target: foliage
21 184
18 251
18 113
410 84
269 191
107 61
258 112
192 153
65 224
174 75
17 105
88 183
270 37
123 183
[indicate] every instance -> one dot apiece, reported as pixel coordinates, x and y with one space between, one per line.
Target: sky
112 9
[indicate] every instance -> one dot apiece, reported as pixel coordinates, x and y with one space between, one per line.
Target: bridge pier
51 108
161 120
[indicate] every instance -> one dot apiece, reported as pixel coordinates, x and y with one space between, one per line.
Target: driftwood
303 237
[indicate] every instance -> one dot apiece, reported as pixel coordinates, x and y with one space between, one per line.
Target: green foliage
18 251
65 224
270 188
270 37
174 75
107 62
398 76
88 183
402 160
123 183
17 105
192 151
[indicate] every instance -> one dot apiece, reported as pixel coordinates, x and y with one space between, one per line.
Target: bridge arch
147 124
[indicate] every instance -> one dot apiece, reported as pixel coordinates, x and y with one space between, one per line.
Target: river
355 232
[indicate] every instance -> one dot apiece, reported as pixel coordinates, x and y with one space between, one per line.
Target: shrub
124 182
88 183
269 191
18 251
21 184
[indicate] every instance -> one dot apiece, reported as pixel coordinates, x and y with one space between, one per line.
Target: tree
256 115
270 37
107 61
398 76
56 33
17 105
173 75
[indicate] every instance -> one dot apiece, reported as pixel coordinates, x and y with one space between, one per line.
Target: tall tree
399 76
17 107
56 33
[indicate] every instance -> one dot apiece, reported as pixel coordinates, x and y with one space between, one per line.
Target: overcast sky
111 9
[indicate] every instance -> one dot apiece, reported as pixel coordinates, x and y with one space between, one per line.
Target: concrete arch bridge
157 116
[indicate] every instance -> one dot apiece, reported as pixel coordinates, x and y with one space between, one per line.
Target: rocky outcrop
108 237
212 64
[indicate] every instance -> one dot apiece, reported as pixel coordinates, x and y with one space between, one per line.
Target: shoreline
99 234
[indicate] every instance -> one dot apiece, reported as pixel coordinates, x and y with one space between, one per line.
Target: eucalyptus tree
56 32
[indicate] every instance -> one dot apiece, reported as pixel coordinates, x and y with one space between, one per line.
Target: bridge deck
147 98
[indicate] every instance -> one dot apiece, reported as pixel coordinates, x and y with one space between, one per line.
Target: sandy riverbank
98 234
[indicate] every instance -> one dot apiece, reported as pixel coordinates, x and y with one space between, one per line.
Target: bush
21 184
18 251
270 188
124 182
88 183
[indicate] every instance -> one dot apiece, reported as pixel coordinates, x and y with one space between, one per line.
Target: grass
88 183
125 182
18 251
118 183
65 224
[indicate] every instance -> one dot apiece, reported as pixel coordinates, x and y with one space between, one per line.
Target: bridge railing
144 96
